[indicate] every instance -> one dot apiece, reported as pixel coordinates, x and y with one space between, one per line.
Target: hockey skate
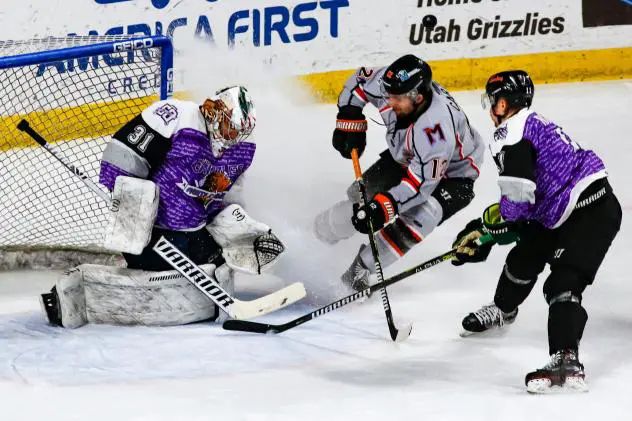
49 302
357 276
563 373
487 317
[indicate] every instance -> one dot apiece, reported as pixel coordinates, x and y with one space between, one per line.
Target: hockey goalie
174 172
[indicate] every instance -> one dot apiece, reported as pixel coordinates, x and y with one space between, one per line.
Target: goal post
76 92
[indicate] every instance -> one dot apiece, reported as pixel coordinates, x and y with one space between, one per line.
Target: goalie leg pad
132 215
121 296
71 299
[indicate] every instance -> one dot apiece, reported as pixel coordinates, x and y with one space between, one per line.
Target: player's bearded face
402 105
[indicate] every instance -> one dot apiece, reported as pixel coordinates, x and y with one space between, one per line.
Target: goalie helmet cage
76 92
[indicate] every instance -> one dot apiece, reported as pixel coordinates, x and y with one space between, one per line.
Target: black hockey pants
199 246
574 252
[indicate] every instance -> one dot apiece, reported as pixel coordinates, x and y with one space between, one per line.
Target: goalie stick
206 284
255 327
235 308
397 335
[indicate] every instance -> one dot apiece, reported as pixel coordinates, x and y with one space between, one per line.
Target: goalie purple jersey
542 171
192 181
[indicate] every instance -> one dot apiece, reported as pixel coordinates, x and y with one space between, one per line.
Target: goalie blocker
121 296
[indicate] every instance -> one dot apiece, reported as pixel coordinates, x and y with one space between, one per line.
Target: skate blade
494 332
544 387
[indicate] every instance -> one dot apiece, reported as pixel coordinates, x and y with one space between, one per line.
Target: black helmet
514 85
407 75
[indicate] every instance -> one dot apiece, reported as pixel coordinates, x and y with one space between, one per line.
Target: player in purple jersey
195 155
552 190
177 166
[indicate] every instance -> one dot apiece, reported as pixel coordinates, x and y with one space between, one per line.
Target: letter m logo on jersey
434 133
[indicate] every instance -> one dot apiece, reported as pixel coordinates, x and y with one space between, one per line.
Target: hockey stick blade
403 334
235 308
255 327
397 335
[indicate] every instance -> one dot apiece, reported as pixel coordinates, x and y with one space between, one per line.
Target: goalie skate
50 306
564 373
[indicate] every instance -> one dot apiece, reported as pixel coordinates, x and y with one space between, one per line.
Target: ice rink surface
342 366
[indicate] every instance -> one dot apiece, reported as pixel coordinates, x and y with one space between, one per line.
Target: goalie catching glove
350 132
247 245
503 232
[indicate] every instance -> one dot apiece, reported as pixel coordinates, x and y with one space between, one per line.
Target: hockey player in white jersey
173 170
424 177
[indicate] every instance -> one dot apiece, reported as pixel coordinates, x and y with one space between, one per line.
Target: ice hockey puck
429 21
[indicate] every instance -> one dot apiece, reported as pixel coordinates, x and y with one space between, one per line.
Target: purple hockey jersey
178 158
542 171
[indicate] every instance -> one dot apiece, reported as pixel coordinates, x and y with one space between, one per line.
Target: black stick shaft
24 126
248 326
394 332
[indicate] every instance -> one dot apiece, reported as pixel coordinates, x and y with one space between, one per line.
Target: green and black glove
503 232
474 243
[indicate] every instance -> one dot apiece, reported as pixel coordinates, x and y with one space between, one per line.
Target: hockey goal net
76 92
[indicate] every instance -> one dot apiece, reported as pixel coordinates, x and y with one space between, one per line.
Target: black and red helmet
407 75
515 86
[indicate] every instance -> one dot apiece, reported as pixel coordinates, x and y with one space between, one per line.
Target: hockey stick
207 284
24 126
255 327
247 326
396 334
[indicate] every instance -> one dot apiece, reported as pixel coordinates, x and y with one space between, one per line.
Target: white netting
76 105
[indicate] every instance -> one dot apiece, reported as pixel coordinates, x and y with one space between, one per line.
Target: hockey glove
504 232
467 251
350 132
380 211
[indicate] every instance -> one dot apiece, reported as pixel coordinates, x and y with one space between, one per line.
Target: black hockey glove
467 251
350 132
380 211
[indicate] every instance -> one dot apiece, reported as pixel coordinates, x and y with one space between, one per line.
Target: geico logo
133 44
301 22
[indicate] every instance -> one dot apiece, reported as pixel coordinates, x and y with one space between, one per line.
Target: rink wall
321 42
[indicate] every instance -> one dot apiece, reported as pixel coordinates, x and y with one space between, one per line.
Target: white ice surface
342 366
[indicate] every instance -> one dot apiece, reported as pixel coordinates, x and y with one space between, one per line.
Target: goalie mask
230 117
